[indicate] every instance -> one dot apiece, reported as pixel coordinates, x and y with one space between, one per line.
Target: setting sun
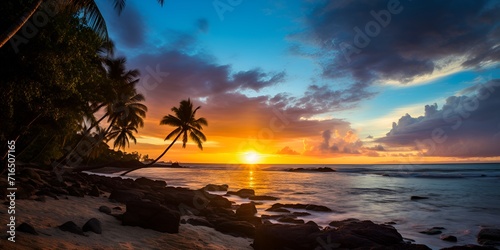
251 157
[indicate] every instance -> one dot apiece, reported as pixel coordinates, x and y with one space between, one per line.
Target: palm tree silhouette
186 124
89 9
122 133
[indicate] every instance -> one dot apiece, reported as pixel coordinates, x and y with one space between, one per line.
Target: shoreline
213 218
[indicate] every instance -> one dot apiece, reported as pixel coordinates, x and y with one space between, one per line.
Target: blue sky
291 56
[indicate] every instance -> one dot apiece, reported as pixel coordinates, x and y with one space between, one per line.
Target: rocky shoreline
152 204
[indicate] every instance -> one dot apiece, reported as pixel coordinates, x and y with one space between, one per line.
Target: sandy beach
46 216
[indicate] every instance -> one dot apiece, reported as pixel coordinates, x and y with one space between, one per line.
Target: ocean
462 198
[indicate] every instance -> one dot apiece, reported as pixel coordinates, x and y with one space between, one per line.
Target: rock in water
415 197
215 188
243 193
93 225
246 209
432 231
151 215
151 183
27 228
489 236
449 238
105 209
71 227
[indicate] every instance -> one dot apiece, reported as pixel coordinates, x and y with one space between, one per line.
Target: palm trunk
13 29
159 157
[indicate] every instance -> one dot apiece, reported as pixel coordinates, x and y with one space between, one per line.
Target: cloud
202 25
287 151
128 28
466 126
400 46
334 142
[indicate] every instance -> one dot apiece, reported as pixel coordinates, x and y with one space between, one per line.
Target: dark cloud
202 25
466 126
129 28
287 151
420 38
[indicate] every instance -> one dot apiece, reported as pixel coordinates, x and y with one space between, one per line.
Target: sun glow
251 157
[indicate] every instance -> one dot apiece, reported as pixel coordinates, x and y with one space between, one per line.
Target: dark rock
126 195
432 231
215 188
71 227
415 197
236 228
310 207
75 191
318 208
263 198
469 247
243 193
151 215
199 222
343 222
280 236
26 228
105 209
489 236
278 209
219 201
288 219
323 169
246 209
95 191
150 183
449 238
117 208
93 225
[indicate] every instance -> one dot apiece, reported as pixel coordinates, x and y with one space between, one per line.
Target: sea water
462 198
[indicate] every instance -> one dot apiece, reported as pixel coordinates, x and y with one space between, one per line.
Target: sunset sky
318 81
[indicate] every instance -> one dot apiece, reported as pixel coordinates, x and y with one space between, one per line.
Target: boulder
246 209
236 228
219 201
289 219
489 236
126 195
243 193
26 228
415 197
151 215
150 183
71 227
215 188
263 198
432 231
280 236
278 210
93 225
449 238
105 209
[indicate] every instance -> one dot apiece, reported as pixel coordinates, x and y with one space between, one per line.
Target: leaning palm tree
88 8
185 122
